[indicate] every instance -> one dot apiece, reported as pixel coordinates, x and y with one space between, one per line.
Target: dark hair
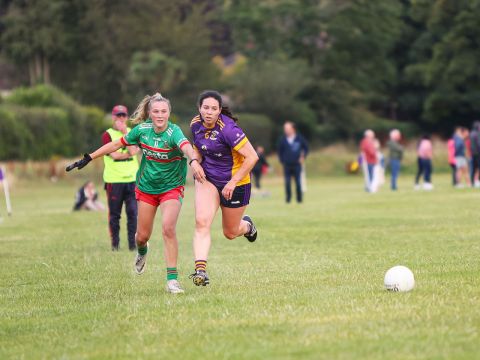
216 95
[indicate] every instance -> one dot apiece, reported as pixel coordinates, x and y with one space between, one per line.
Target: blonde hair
141 112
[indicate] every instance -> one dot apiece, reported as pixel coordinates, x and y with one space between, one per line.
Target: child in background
87 198
260 168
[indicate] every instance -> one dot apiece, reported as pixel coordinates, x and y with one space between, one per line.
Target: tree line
334 67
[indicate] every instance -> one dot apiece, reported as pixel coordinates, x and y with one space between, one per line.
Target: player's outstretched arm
104 150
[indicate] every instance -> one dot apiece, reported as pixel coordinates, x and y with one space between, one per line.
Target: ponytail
226 111
141 112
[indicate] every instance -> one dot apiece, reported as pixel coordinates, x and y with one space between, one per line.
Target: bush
259 129
14 138
40 96
40 122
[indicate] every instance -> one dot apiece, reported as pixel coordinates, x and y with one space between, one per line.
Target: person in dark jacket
292 151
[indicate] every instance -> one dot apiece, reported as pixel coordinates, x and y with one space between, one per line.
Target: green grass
310 287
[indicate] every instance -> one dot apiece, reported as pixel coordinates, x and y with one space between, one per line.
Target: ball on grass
399 278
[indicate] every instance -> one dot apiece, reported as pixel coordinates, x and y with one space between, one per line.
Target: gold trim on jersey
238 162
240 144
220 123
195 120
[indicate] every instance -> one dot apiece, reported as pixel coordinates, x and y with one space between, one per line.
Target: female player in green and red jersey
227 159
160 178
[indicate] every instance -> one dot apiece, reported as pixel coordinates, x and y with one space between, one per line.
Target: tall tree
34 34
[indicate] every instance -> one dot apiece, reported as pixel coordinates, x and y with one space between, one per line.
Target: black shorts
240 196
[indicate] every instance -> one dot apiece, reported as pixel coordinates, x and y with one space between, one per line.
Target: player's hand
228 189
198 172
80 164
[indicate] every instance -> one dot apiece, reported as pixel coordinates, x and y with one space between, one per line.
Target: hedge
40 122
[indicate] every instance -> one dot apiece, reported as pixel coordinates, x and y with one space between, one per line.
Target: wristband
190 162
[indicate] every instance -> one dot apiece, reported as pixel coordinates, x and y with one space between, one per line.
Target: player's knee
142 237
168 232
230 235
202 224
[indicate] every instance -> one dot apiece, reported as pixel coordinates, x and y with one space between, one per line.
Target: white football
399 278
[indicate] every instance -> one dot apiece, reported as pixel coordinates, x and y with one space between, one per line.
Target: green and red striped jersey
163 165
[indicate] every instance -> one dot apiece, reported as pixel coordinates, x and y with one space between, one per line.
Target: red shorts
157 199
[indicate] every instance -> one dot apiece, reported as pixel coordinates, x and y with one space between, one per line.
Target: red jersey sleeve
106 138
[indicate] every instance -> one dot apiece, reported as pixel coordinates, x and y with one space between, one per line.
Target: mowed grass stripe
310 287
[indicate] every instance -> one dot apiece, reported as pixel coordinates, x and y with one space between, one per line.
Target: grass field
310 287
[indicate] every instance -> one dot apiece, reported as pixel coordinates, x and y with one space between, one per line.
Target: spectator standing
119 174
461 162
475 150
395 156
424 161
292 151
451 159
368 157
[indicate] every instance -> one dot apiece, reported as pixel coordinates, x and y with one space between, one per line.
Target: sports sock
200 265
142 250
172 273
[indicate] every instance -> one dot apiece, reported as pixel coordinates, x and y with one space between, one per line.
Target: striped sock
142 250
172 273
200 265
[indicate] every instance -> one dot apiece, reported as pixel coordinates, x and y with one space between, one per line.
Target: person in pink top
369 157
425 154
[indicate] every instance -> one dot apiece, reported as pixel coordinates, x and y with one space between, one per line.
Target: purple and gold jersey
219 148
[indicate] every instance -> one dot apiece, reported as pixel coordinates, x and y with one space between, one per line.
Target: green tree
35 34
273 87
91 45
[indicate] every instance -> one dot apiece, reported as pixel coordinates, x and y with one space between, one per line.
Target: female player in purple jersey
227 158
160 179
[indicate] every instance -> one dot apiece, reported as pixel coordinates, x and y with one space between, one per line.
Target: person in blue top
292 151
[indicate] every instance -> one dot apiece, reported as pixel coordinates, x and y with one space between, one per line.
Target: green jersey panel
163 166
